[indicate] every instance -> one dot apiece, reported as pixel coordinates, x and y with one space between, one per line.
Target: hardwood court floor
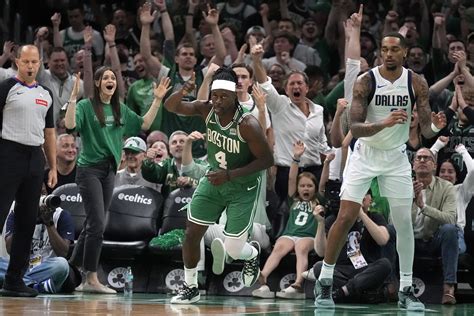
158 304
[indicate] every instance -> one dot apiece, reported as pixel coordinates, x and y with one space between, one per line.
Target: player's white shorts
391 168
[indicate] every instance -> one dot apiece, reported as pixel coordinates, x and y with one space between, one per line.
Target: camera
49 201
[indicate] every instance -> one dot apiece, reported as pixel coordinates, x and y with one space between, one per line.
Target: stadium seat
71 201
131 220
167 274
129 225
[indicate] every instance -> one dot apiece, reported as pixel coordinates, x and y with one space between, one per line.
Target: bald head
28 62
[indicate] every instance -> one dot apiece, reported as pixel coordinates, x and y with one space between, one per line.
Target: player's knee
346 218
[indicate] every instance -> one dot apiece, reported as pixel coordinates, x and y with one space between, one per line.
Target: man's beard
391 68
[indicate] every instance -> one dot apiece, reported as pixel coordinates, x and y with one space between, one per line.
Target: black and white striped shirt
25 111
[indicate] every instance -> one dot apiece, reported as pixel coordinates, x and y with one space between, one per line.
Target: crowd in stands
296 62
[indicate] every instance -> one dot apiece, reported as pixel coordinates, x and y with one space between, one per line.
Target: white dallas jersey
384 98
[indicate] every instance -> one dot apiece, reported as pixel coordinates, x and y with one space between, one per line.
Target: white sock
248 252
191 277
401 218
327 271
406 279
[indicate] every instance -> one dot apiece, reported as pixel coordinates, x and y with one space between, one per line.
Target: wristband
434 128
296 160
163 11
112 45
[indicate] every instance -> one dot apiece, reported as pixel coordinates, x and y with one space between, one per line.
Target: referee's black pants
21 178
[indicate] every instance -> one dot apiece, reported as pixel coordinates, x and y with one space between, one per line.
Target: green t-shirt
140 97
331 98
165 173
301 222
100 144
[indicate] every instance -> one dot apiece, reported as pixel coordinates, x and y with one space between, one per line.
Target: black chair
71 201
168 268
131 220
174 215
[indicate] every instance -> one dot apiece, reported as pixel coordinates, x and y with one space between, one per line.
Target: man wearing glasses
434 219
26 128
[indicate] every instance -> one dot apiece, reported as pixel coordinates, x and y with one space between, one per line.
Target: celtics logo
233 282
174 279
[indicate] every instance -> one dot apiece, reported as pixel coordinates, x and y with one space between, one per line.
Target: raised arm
320 238
159 91
284 13
353 45
439 33
325 173
466 157
88 76
336 133
212 18
188 24
331 30
203 92
256 51
70 118
264 12
146 18
40 36
111 48
260 98
56 21
298 150
463 105
461 58
175 104
8 47
166 23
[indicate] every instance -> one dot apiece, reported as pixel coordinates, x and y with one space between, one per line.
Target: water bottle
128 287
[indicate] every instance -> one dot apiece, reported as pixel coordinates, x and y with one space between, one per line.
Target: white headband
223 84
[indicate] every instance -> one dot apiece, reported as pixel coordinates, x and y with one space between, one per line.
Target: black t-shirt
62 179
358 234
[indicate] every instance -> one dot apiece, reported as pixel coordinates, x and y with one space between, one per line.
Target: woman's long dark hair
97 103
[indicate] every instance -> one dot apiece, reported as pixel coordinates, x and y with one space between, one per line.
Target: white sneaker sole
264 294
218 255
174 300
293 296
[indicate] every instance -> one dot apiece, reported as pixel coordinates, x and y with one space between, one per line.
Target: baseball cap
135 144
256 29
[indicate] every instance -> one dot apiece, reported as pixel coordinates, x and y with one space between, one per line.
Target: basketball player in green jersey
237 153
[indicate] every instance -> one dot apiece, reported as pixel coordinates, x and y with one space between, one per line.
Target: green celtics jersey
301 222
226 149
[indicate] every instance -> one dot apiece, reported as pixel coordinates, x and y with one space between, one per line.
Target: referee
26 123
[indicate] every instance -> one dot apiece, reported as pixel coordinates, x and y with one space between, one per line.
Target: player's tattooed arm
360 102
420 88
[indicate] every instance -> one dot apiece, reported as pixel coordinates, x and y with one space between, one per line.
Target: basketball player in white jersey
381 109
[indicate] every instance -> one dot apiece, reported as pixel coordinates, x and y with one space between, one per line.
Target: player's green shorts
239 199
